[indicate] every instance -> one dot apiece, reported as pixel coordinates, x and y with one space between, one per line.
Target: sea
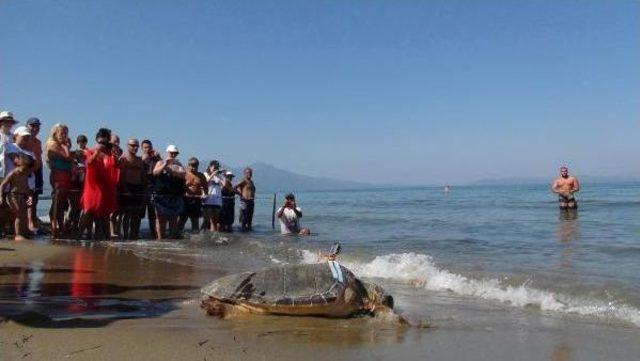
456 257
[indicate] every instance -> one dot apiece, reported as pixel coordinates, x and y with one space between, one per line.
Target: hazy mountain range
271 179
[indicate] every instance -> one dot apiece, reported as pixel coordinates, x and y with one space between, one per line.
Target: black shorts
211 209
246 211
192 207
134 196
567 201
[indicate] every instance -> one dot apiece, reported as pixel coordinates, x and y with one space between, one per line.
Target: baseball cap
21 131
229 173
172 149
33 121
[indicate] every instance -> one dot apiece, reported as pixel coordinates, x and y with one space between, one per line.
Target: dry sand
61 302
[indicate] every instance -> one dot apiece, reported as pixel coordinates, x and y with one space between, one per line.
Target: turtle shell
308 284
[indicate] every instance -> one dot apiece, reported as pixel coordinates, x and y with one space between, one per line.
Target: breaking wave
419 270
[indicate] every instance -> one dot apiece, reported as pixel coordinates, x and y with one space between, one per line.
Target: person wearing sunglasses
195 192
132 189
169 189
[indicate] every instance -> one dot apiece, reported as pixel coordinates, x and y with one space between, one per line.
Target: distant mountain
271 179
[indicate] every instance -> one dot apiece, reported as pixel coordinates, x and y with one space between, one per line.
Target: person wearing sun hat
227 212
169 188
6 123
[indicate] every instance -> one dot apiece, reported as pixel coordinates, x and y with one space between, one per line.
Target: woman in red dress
99 196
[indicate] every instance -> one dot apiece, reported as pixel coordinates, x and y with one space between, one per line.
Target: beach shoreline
98 303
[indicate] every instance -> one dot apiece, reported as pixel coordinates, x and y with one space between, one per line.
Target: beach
139 300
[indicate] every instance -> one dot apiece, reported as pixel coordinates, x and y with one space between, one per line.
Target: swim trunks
192 207
246 210
567 201
134 196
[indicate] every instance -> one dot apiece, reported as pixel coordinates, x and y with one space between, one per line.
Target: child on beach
19 192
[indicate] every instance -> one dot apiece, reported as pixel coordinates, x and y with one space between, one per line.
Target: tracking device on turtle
335 249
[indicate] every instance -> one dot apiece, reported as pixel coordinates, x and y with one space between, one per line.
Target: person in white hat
170 180
22 138
6 123
227 212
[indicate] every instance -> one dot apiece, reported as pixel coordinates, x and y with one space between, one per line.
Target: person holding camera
150 157
99 196
212 204
60 161
289 215
169 190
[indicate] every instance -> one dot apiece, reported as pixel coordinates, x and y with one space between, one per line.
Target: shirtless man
247 191
33 124
150 157
565 186
77 181
115 219
195 192
133 186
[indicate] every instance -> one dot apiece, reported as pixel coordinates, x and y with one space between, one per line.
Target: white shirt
214 195
289 221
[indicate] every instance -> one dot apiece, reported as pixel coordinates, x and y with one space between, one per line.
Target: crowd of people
105 191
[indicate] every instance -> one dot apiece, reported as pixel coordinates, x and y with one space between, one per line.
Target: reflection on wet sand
90 288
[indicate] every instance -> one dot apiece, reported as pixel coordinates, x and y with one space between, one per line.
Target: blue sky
414 92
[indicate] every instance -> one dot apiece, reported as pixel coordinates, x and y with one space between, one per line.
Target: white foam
420 271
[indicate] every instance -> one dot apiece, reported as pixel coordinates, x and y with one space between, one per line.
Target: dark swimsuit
565 201
168 195
227 212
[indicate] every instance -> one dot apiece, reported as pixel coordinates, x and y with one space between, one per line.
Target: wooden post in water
273 213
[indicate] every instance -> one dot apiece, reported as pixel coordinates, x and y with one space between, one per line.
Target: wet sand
87 302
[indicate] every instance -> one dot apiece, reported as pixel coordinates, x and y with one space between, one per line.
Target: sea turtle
325 289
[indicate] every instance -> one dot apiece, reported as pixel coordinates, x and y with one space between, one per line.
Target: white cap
21 131
229 173
7 115
172 149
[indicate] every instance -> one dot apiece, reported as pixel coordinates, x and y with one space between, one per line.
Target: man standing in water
33 124
133 187
565 186
169 189
150 157
247 191
195 191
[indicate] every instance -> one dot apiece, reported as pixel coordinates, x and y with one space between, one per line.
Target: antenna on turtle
335 249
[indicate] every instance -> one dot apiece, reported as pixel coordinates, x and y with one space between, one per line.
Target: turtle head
377 297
